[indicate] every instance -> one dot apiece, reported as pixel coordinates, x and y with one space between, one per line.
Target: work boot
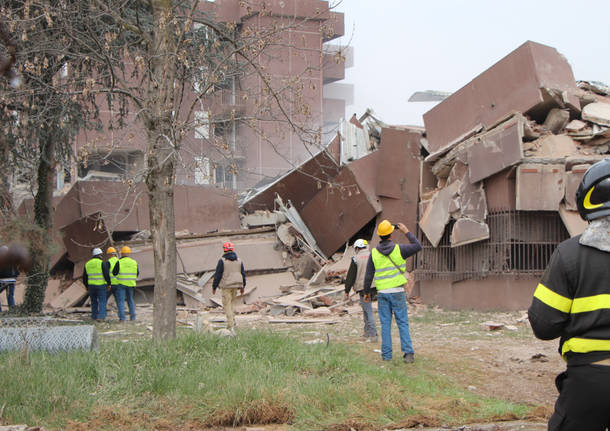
408 358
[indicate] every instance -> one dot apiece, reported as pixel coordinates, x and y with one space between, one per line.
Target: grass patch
258 377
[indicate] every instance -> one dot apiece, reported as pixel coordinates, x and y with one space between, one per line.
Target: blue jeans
388 304
98 302
121 293
10 293
370 330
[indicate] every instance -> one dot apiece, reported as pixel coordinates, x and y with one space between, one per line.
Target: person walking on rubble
230 275
386 266
126 271
355 279
571 302
96 277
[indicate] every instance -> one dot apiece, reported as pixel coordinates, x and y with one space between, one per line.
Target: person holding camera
387 266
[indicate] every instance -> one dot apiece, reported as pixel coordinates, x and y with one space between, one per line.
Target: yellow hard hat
125 250
111 250
385 228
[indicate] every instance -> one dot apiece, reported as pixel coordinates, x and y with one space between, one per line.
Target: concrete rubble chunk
575 126
556 120
539 187
70 297
555 146
597 113
437 213
466 231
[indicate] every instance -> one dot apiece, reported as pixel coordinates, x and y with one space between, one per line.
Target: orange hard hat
111 250
385 228
228 246
125 250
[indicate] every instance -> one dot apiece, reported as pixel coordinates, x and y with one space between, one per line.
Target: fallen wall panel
539 187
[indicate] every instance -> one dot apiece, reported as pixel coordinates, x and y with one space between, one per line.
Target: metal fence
520 243
42 333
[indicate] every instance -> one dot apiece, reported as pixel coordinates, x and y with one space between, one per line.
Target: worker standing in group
387 266
96 277
571 302
355 279
111 253
230 275
126 272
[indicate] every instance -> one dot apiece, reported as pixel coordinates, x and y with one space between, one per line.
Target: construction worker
111 253
355 279
387 266
230 275
126 272
97 279
571 302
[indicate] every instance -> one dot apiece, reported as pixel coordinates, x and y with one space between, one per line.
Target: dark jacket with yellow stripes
572 301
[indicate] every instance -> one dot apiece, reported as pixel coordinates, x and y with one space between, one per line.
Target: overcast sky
403 46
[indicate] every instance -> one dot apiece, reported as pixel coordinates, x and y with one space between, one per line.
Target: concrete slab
539 187
500 190
82 235
466 231
512 84
437 214
496 150
338 211
556 120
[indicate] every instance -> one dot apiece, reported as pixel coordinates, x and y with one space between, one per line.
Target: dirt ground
507 363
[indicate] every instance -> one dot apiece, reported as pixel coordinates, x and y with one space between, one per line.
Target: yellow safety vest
128 272
113 260
95 276
387 275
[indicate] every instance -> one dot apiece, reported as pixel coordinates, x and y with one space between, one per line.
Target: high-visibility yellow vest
113 260
387 275
95 276
128 272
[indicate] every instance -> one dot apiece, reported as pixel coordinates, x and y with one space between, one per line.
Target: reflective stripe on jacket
231 275
95 276
128 272
112 261
387 275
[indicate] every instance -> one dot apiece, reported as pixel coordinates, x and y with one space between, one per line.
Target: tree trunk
163 146
38 274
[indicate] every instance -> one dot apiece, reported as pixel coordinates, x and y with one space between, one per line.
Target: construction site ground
492 354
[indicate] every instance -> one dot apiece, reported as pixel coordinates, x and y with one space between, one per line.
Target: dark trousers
584 399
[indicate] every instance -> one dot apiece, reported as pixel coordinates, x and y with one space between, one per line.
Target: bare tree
162 65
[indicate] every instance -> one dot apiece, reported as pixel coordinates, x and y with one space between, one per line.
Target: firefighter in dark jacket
572 303
230 276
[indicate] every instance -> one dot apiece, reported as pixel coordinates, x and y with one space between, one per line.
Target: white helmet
360 243
96 252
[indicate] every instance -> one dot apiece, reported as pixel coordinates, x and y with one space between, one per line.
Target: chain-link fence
44 333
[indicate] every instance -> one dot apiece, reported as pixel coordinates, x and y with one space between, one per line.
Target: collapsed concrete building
488 185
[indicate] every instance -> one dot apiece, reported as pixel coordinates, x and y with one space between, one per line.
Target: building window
202 170
202 125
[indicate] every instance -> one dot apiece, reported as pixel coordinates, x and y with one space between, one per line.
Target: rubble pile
542 150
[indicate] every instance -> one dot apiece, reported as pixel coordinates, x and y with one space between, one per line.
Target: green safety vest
387 275
128 272
95 276
113 260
